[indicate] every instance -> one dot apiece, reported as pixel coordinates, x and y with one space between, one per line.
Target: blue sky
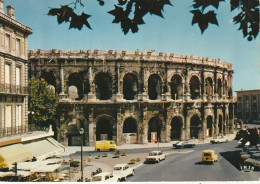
173 34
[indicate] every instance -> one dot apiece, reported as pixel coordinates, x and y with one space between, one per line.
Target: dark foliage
130 13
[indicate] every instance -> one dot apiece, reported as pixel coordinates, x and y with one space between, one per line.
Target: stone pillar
187 126
91 128
62 94
204 127
145 128
92 94
168 130
187 86
232 120
119 126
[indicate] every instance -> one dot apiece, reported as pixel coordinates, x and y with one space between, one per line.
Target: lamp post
81 131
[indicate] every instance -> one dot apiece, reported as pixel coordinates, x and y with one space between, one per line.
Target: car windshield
97 178
117 168
207 154
152 154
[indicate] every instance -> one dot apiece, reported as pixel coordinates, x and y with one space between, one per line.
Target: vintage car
183 144
155 156
209 156
122 171
104 177
253 162
239 144
218 140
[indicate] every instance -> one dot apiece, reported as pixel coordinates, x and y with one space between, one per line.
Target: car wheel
98 150
158 160
133 173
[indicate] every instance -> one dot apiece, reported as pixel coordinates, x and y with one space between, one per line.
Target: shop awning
43 149
47 168
13 153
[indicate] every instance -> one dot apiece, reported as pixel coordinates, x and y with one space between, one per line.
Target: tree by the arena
130 13
42 102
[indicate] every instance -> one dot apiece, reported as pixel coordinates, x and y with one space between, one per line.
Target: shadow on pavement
232 157
203 163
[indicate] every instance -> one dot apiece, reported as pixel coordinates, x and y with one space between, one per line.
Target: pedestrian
89 158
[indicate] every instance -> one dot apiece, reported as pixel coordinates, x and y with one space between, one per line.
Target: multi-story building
134 96
248 105
13 74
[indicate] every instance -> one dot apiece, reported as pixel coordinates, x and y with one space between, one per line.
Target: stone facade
13 74
151 96
248 105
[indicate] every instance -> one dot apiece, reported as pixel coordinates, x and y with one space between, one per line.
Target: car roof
103 174
155 151
208 151
120 165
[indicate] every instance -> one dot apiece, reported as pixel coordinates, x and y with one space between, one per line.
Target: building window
7 74
8 42
18 76
18 115
239 98
240 106
247 98
8 116
18 47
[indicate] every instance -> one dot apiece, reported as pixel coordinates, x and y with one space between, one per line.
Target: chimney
2 6
10 11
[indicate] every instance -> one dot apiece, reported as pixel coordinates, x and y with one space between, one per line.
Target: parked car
122 171
155 156
183 144
239 144
209 156
104 177
253 162
105 145
218 140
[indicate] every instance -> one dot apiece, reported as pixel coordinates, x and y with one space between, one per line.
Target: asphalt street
188 167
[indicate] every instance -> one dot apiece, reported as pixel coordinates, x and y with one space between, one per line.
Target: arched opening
130 86
209 88
154 131
230 93
219 88
209 126
51 80
154 87
176 87
103 86
76 80
130 131
74 137
194 87
176 126
195 127
104 129
220 124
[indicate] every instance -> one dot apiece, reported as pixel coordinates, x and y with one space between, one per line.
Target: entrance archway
195 126
176 126
176 87
194 87
209 88
220 124
103 86
104 129
76 81
74 137
154 87
130 86
155 126
51 80
209 126
219 90
130 131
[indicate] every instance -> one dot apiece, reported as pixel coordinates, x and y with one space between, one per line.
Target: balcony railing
13 89
8 131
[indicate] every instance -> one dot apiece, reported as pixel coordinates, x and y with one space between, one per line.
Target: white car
104 177
218 140
122 171
239 144
155 156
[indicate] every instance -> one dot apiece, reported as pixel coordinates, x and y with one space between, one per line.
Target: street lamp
81 131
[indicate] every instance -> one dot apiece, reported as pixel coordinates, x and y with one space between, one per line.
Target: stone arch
176 127
51 79
195 87
210 126
154 86
209 87
130 86
219 87
154 125
76 79
130 130
103 82
195 127
176 86
72 127
105 124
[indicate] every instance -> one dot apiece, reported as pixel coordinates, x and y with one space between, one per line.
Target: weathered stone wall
176 96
